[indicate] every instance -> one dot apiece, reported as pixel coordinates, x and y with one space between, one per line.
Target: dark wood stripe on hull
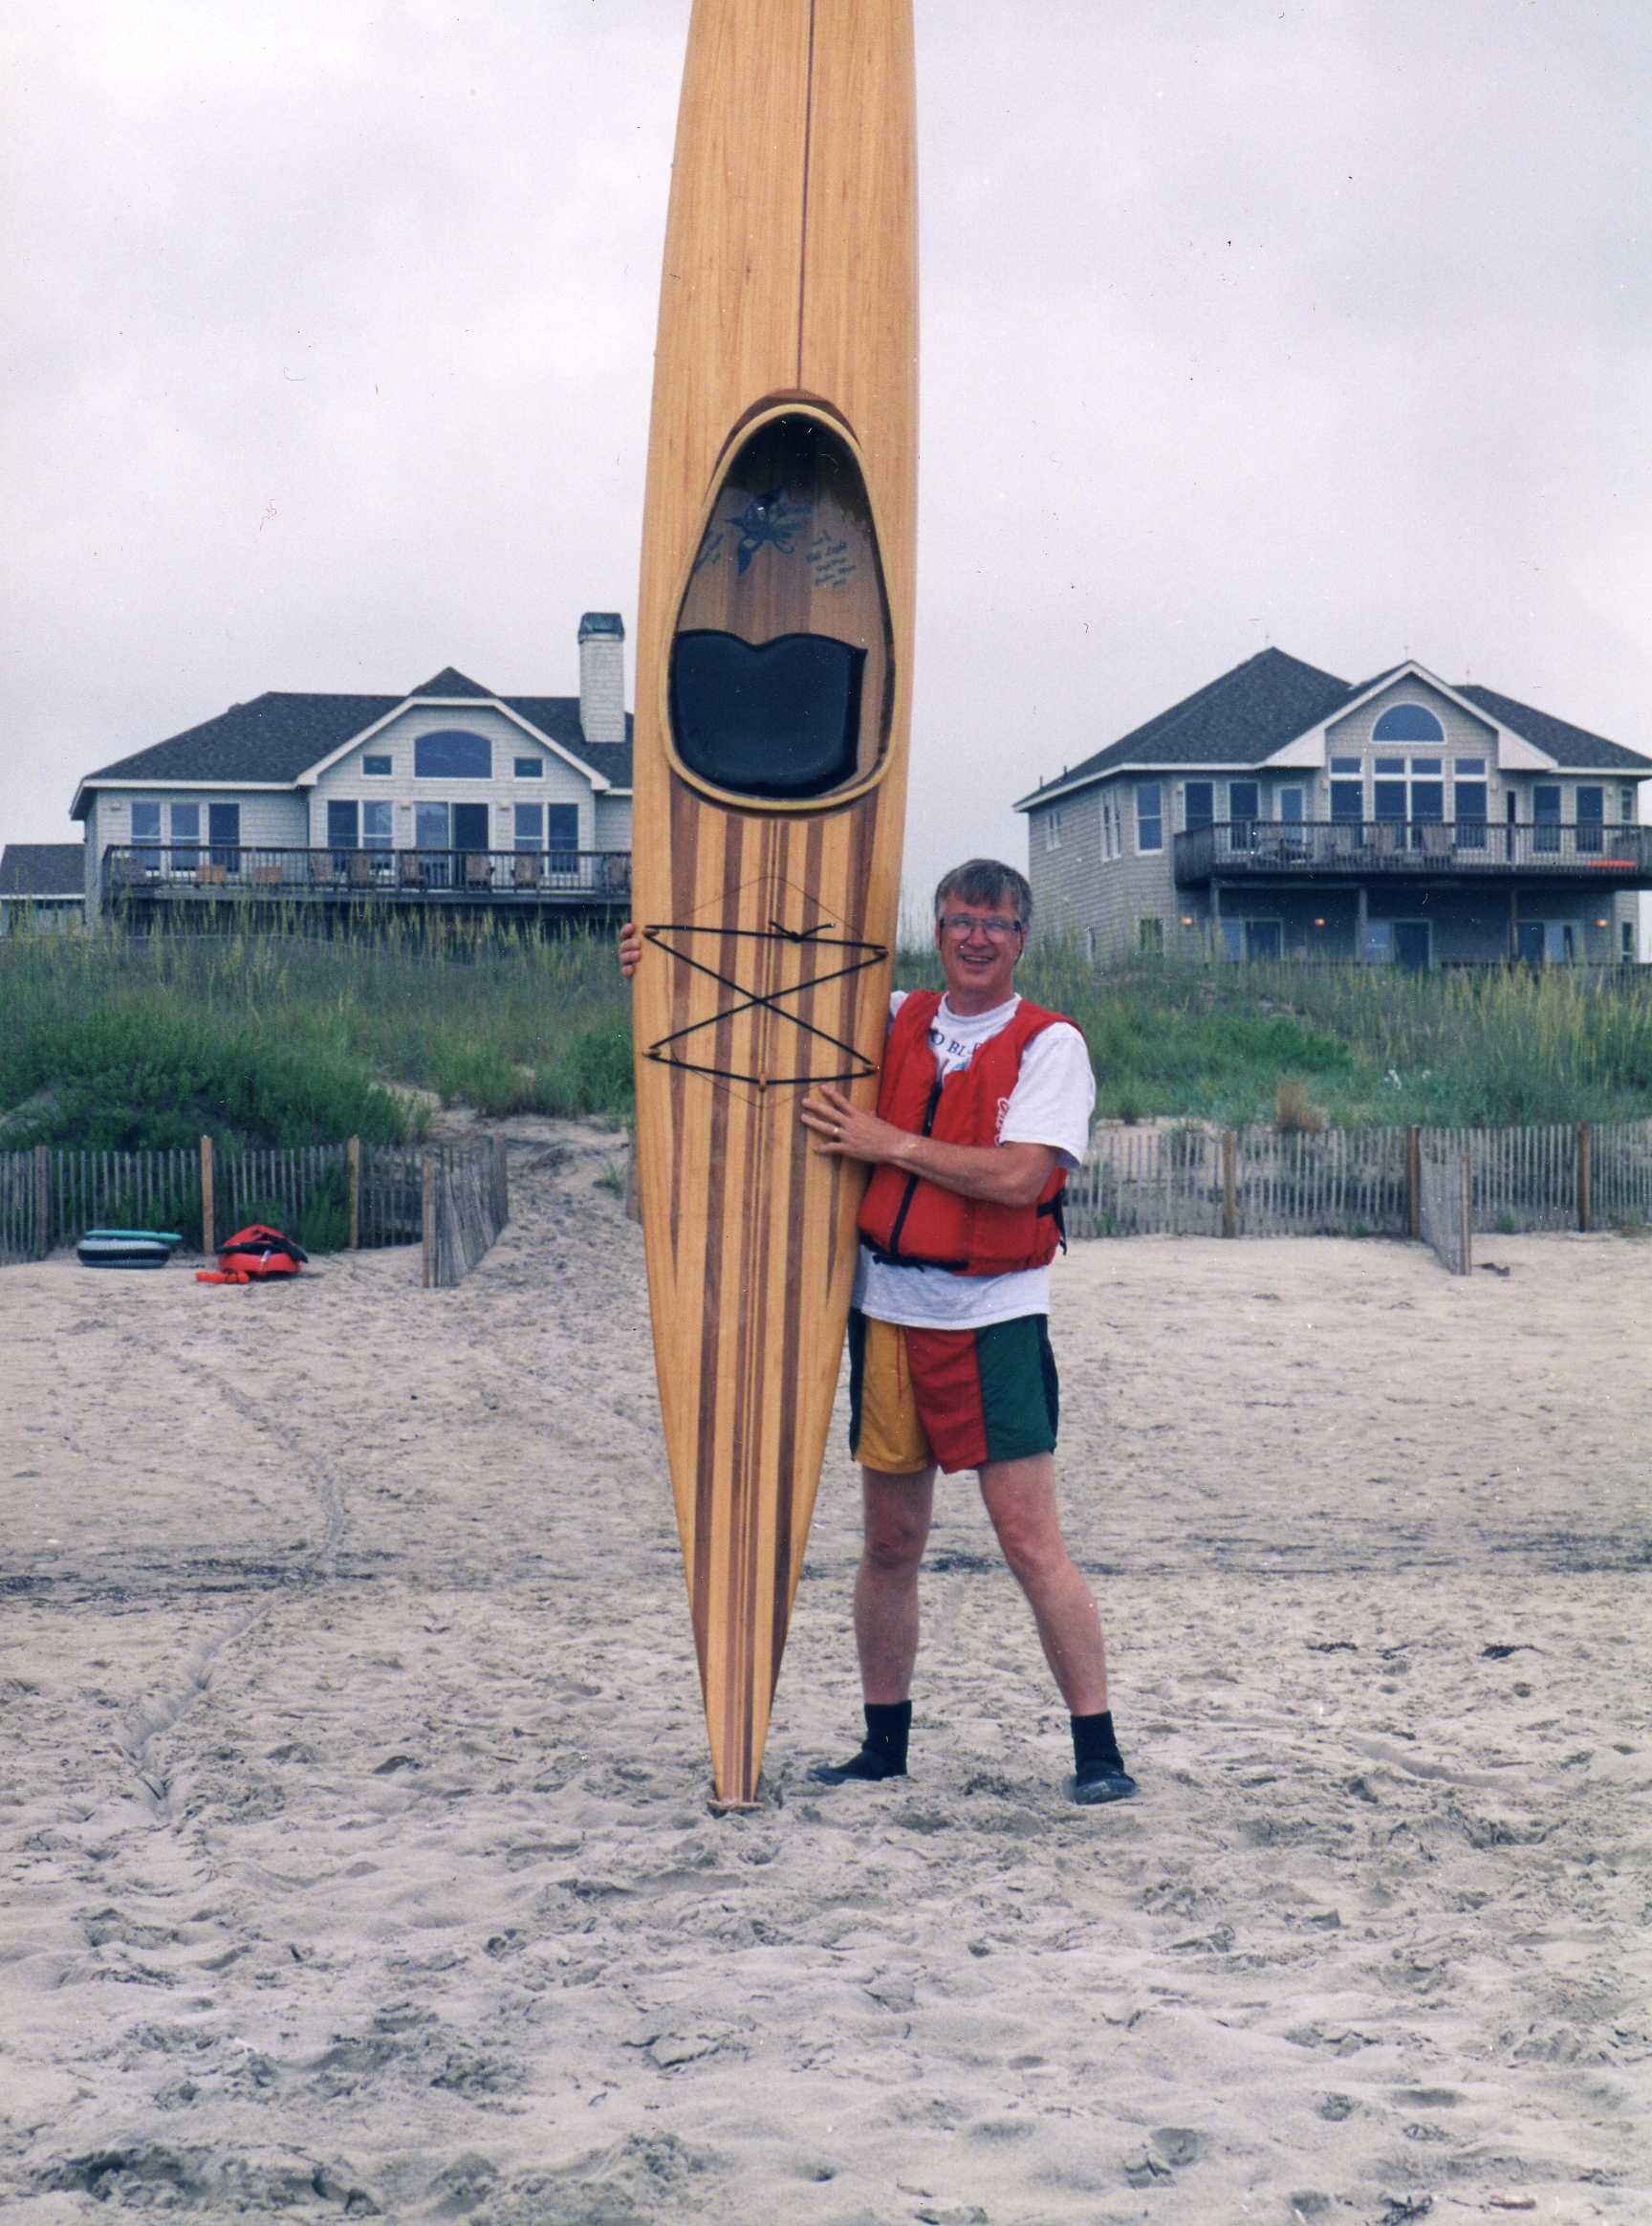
706 1450
786 1529
744 1453
685 814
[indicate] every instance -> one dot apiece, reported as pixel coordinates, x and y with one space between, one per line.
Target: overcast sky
329 328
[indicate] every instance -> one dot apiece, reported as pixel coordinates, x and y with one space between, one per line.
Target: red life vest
252 1255
914 1223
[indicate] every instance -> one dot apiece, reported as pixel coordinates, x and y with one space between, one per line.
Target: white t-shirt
1054 1098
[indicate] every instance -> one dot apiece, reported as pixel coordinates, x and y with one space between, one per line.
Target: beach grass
117 1041
1356 1046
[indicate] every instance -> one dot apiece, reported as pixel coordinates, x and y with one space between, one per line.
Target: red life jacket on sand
909 1222
254 1255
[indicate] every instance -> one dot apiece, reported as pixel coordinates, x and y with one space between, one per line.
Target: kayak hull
772 707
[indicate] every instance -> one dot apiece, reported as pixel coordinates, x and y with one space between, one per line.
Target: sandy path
353 1788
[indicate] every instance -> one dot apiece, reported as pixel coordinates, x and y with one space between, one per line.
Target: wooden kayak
774 642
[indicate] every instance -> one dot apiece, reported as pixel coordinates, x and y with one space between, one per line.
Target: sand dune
354 1795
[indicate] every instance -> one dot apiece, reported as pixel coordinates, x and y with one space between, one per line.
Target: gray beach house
43 885
446 797
1282 813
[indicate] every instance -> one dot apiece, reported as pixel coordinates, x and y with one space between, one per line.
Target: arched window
452 755
1407 723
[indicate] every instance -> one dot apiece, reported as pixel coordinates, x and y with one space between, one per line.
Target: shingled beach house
448 797
1282 813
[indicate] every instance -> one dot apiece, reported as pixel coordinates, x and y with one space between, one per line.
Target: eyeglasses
964 923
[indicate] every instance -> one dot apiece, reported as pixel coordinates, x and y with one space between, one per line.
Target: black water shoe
868 1765
1095 1783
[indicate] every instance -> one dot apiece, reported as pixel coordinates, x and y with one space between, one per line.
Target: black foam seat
778 718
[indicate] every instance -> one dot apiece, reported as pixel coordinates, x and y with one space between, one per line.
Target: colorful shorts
952 1398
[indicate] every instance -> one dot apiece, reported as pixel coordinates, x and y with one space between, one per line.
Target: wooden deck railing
1412 850
159 873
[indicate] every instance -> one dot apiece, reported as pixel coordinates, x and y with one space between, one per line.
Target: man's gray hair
986 881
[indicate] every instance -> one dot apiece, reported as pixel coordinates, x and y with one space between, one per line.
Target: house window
1293 805
1352 765
1198 803
1244 809
1387 795
1407 723
145 823
562 830
1348 799
1427 788
1264 938
1151 935
452 755
1053 828
530 769
185 837
1591 821
377 831
529 826
378 768
1260 939
1469 809
224 833
1149 815
1626 802
1627 941
343 824
1546 816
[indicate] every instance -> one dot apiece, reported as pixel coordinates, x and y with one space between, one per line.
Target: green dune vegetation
111 1043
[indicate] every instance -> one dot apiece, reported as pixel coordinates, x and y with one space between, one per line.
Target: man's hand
841 1131
630 949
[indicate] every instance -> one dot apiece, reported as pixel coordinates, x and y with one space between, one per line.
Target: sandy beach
354 1796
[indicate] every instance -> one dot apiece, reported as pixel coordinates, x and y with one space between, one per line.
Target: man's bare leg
1020 1498
896 1515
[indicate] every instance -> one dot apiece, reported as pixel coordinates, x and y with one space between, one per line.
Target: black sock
888 1725
1093 1741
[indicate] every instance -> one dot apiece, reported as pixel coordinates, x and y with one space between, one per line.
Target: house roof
450 682
1239 719
1565 744
273 740
43 869
1246 716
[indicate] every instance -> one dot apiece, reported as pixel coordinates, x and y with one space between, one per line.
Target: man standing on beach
983 1106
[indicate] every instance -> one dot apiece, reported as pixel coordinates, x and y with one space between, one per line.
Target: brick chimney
602 676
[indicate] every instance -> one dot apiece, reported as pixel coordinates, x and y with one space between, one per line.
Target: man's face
980 946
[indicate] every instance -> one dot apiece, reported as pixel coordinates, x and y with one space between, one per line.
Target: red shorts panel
952 1398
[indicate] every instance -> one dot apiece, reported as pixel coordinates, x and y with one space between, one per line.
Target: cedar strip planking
792 181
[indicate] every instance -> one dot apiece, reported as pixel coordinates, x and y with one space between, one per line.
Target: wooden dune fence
1444 1192
330 1197
467 1202
1192 1181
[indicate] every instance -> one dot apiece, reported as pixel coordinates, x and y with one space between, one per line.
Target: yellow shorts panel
890 1437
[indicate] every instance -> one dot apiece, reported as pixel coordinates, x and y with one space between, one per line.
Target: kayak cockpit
780 679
